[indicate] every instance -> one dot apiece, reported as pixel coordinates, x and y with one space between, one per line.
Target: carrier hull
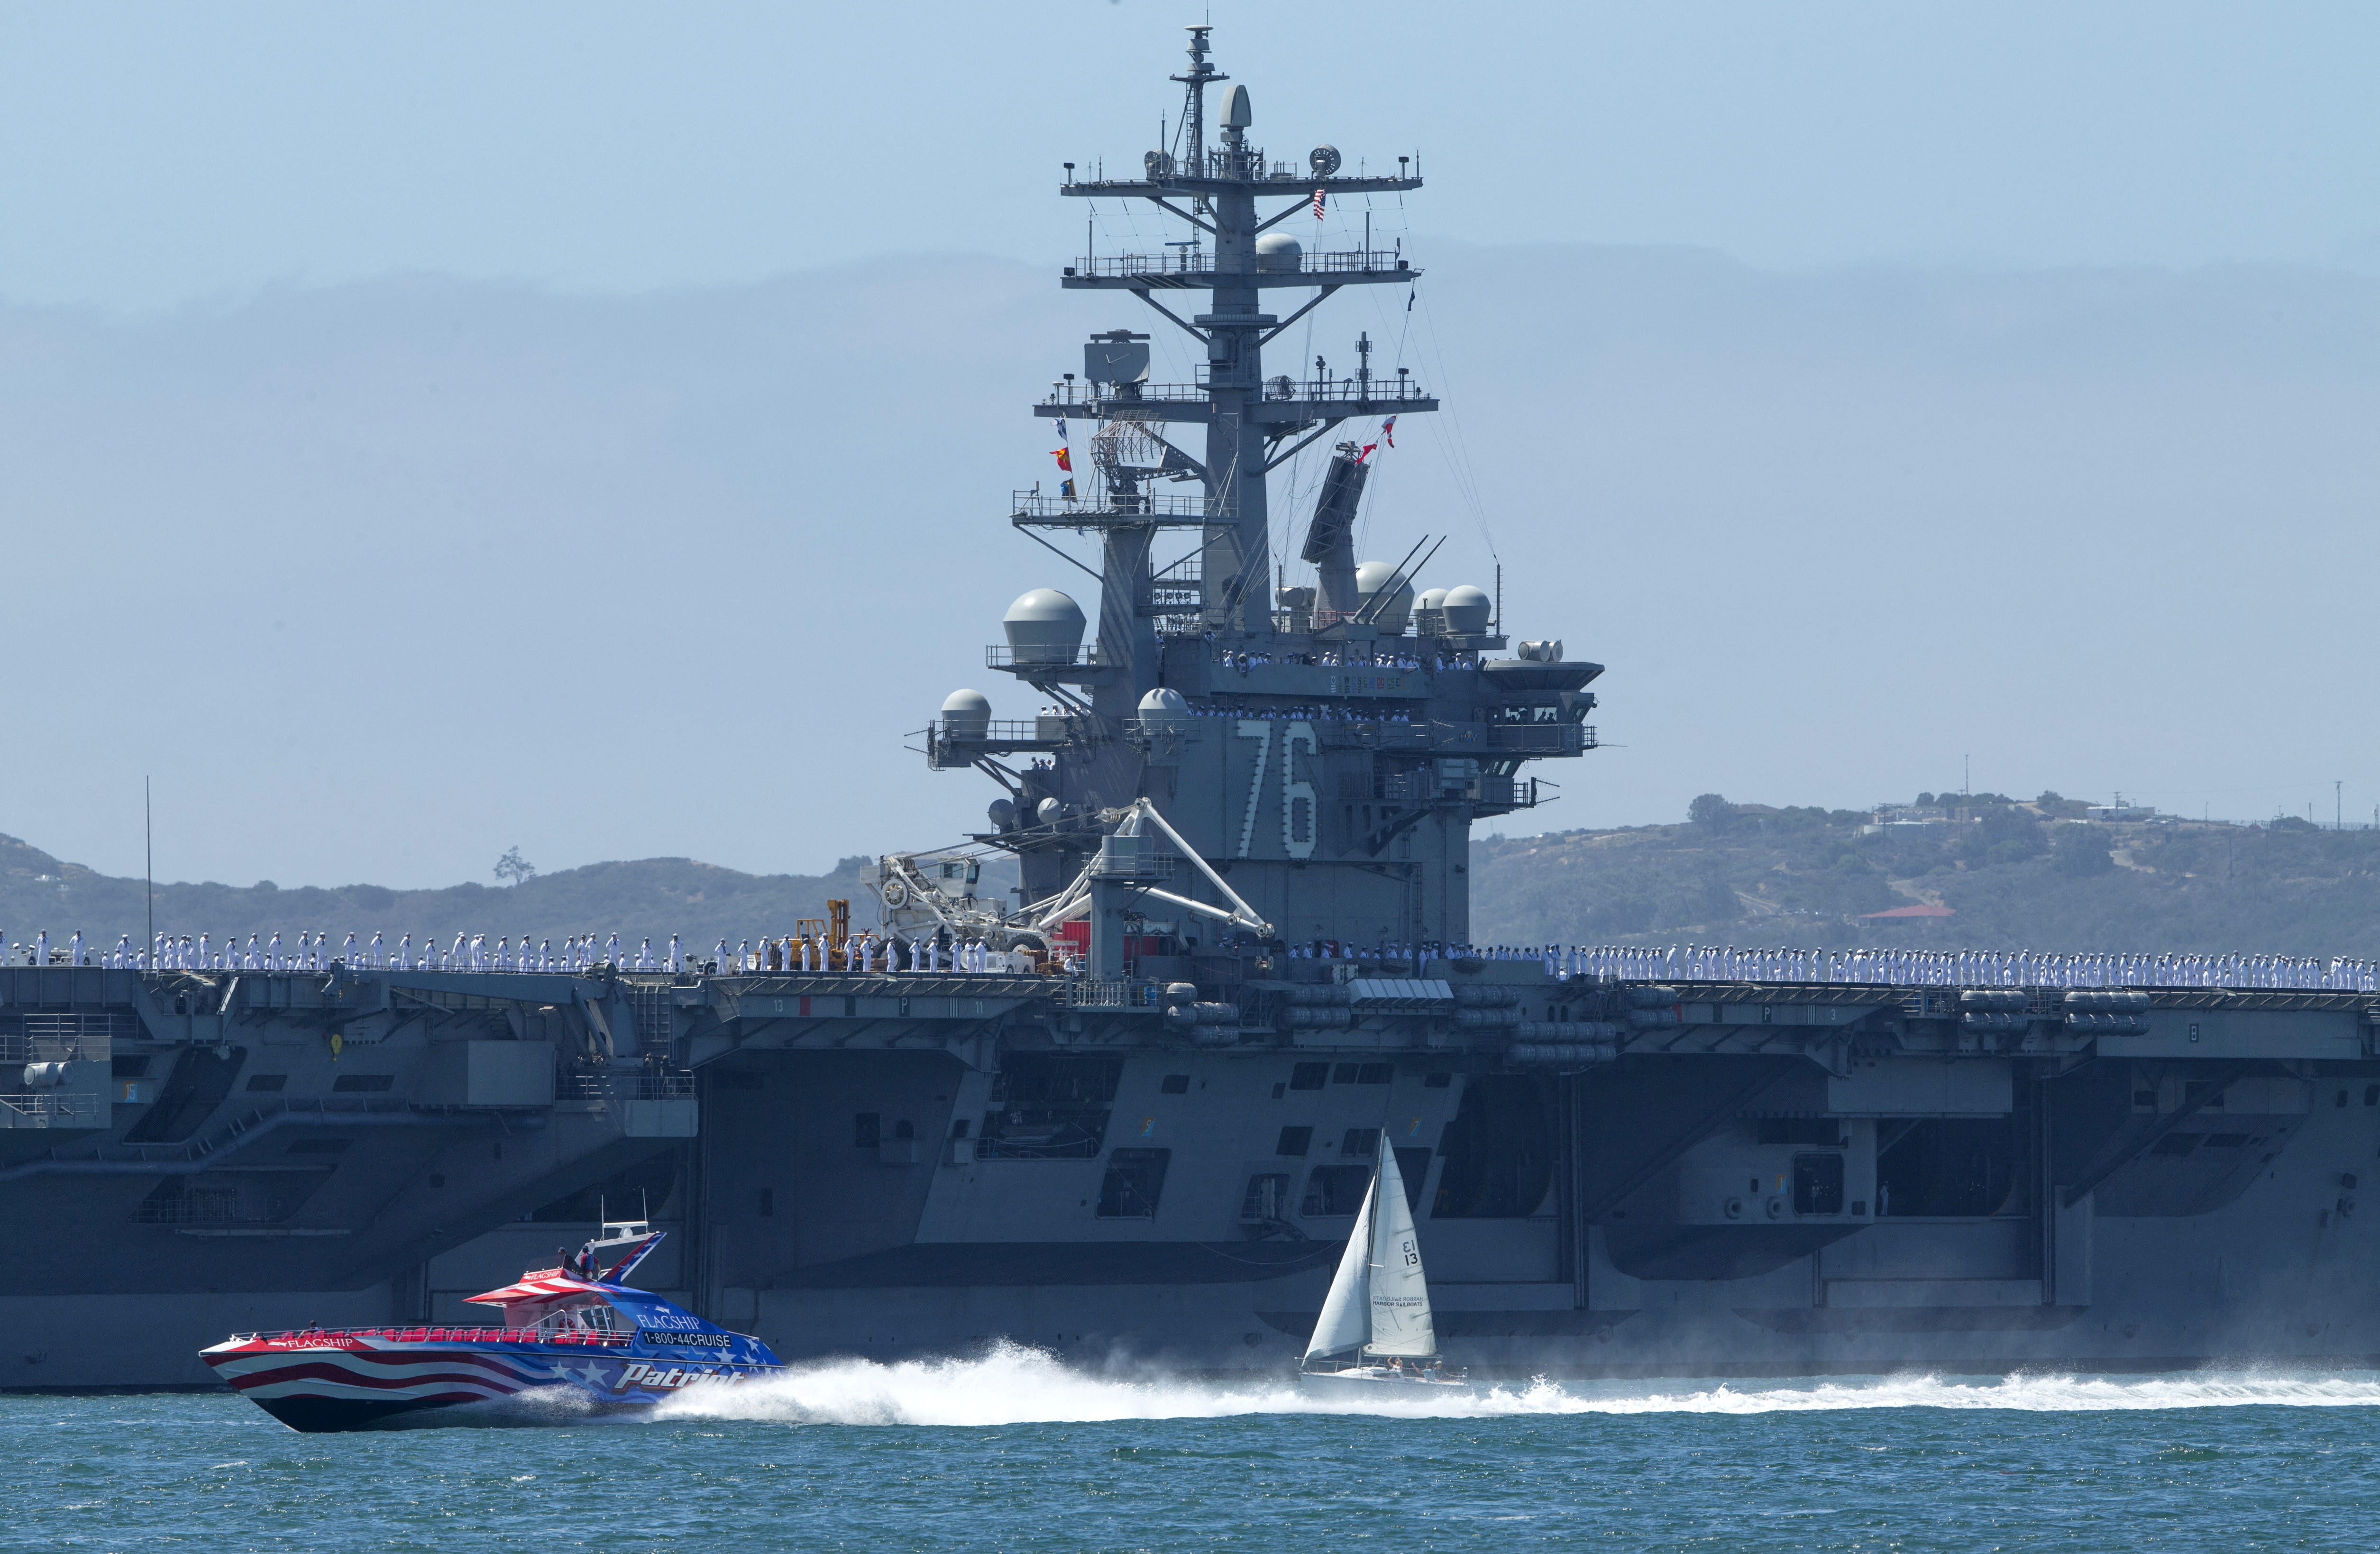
862 1186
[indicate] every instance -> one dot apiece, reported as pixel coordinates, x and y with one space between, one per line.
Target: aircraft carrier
1137 1123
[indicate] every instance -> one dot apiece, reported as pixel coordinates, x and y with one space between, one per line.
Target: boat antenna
149 866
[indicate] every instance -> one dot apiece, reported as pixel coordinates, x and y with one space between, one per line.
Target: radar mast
1325 747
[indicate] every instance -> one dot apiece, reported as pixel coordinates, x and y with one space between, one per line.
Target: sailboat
1376 1327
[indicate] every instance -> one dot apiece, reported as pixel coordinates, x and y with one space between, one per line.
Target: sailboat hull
1378 1381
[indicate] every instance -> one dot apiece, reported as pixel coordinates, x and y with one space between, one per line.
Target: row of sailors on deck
1971 968
869 951
1343 658
313 952
1324 714
1914 968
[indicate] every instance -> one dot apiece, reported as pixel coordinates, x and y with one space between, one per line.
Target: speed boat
1376 1336
577 1332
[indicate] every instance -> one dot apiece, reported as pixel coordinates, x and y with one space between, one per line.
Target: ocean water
1016 1451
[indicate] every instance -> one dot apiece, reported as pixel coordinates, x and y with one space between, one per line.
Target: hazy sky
1868 386
158 152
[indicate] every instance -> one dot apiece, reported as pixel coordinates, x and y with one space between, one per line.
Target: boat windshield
594 1316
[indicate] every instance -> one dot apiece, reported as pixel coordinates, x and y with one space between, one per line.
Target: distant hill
700 901
2017 875
2031 875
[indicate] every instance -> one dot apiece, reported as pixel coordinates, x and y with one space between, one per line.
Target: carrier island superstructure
1141 1119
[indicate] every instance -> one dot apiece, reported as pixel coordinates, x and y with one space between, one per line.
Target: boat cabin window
1295 1141
1267 1198
1309 1076
1135 1181
595 1319
1175 1085
267 1081
1360 1141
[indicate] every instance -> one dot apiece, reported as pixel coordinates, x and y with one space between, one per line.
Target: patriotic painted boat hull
362 1379
576 1339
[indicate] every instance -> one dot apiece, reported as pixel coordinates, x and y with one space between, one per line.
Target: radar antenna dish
1324 160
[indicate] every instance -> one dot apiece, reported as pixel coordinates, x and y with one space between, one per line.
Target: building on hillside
1893 817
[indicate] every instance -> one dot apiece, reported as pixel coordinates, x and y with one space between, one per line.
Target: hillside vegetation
2018 874
651 896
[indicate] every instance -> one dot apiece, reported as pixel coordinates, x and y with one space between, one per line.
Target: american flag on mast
1317 204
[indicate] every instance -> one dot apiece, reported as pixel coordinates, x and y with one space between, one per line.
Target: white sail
1401 1317
1347 1313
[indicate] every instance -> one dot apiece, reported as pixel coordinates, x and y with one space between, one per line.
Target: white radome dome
967 715
1163 706
1043 627
1466 610
1279 251
1371 576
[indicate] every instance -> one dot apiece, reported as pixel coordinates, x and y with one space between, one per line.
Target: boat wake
1013 1385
